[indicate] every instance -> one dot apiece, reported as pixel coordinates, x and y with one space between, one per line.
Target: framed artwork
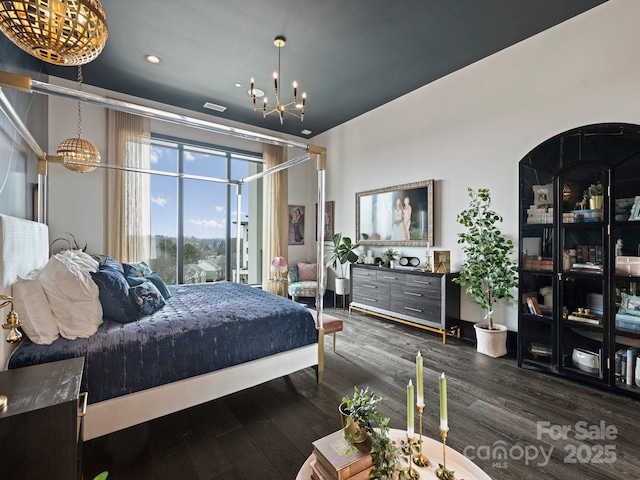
328 220
296 225
401 215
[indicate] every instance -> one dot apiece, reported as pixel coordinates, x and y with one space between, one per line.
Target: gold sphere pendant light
62 32
77 149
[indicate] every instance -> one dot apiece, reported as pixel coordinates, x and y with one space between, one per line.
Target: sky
204 202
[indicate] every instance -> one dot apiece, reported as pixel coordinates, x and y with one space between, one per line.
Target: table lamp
278 266
13 323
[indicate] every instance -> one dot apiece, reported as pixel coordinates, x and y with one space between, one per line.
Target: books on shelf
332 461
534 306
625 365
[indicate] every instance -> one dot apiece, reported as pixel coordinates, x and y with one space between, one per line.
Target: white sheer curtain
128 193
276 213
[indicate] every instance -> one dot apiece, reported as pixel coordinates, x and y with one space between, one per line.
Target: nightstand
41 426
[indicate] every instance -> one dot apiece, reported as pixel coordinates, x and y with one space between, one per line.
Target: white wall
471 128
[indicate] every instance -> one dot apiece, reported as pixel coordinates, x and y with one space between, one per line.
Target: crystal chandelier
62 32
294 108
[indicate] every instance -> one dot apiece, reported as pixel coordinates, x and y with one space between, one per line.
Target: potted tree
342 252
487 271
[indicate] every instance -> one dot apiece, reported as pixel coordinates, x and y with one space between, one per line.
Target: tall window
194 219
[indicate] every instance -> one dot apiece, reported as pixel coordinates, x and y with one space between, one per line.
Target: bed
207 341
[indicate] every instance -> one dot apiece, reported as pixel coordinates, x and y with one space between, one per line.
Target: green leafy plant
487 271
101 476
363 409
341 253
594 190
388 256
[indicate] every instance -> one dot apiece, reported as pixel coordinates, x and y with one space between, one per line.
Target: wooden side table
41 428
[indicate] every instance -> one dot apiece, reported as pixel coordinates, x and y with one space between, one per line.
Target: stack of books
542 214
332 463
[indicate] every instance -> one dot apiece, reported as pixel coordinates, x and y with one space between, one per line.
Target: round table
458 463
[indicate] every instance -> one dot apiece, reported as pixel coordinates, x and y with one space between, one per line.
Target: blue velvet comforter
202 328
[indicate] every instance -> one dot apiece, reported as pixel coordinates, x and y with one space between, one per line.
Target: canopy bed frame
17 258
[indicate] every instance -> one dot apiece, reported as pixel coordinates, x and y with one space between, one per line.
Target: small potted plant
487 271
595 194
341 252
362 409
389 257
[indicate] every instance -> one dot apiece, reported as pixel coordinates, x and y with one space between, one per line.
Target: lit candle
275 81
443 403
295 91
253 90
419 384
264 106
410 421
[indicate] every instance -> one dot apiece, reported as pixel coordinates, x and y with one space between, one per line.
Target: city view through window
193 221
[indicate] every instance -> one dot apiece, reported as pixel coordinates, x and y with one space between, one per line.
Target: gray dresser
426 300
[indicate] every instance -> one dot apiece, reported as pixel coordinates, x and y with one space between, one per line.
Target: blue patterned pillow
153 278
138 269
148 298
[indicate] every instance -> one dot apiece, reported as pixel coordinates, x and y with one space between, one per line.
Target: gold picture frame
401 215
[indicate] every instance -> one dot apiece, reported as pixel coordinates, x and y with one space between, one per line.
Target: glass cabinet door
584 239
625 297
536 324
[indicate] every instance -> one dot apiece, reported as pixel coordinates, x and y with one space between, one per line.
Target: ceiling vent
214 106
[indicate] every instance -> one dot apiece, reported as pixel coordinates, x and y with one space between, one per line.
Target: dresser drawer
417 307
423 282
430 292
387 276
371 298
364 274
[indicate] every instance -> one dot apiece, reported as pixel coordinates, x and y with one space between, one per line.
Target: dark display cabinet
579 282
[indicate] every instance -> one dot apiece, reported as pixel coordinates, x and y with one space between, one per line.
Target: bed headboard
24 246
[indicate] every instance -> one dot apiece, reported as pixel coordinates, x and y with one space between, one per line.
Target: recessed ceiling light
259 93
215 106
306 132
238 85
152 59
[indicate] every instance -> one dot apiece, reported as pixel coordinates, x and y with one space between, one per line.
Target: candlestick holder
443 473
420 459
413 474
427 264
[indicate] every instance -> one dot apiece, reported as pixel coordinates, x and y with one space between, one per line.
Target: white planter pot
342 286
491 342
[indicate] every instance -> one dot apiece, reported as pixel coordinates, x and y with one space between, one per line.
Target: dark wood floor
266 432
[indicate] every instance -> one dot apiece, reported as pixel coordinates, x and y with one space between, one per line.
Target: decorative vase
595 202
491 342
350 428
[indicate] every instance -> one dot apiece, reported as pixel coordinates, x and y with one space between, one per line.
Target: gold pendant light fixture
76 149
62 32
294 108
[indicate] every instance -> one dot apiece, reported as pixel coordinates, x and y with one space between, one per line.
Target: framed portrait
401 215
327 221
296 225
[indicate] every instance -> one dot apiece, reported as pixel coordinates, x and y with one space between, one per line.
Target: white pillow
81 259
73 297
33 309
